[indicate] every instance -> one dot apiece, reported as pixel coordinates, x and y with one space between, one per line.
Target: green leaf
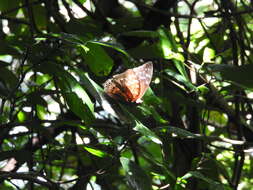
147 132
95 152
96 58
113 46
240 75
181 79
10 80
216 117
40 16
42 79
178 131
170 51
35 98
7 49
150 110
66 37
136 176
198 175
98 93
93 88
4 64
21 116
4 91
76 97
70 84
5 5
147 51
41 112
84 27
124 24
208 55
4 186
78 107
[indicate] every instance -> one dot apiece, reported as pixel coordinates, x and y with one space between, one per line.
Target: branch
31 18
30 176
208 14
15 20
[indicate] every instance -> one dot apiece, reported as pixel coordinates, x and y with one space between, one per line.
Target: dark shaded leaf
136 176
8 77
178 131
146 51
5 5
84 27
241 75
213 184
141 33
35 98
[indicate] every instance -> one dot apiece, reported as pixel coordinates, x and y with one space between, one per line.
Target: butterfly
131 85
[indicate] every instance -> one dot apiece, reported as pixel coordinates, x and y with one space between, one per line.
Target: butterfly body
130 85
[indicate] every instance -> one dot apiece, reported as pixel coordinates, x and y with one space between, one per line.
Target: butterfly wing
130 85
123 86
144 74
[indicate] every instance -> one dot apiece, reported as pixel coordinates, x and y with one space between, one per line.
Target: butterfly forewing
131 84
144 74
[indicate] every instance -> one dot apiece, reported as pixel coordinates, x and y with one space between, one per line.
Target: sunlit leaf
208 55
180 79
96 58
95 152
170 51
78 107
21 116
76 97
41 111
147 132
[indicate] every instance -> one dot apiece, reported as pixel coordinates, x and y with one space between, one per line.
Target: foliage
60 131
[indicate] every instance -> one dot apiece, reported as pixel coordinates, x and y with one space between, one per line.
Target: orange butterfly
130 85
